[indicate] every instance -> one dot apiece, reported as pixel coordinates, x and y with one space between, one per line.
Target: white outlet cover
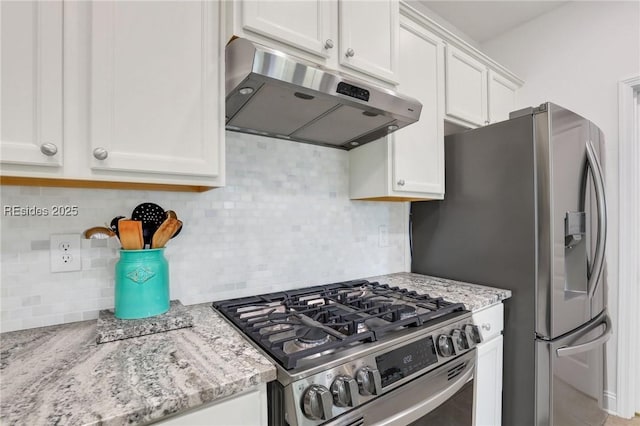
65 252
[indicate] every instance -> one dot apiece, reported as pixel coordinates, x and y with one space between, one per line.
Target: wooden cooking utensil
165 232
99 232
131 234
171 213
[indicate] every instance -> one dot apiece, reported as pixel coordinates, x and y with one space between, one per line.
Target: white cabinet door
304 24
409 165
418 149
488 384
31 110
369 37
359 37
502 97
155 99
246 409
466 87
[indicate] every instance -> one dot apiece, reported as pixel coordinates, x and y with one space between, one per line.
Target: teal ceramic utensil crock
142 284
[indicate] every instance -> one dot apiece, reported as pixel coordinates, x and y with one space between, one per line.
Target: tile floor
618 421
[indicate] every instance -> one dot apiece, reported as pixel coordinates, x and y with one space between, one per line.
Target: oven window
456 411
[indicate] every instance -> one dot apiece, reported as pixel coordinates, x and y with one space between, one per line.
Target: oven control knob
473 334
460 339
345 391
445 345
369 381
316 403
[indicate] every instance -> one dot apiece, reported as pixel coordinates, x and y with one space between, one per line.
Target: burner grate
348 313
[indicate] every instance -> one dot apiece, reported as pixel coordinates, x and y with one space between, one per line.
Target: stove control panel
327 395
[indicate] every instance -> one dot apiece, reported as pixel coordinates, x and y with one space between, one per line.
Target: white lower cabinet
487 404
248 408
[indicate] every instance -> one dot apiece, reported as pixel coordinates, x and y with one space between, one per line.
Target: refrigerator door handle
584 347
601 237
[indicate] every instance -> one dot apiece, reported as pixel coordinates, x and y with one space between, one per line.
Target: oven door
443 396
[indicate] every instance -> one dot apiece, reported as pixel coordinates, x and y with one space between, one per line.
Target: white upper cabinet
154 87
476 94
303 24
409 165
143 94
31 119
418 150
356 36
369 37
502 97
466 87
453 81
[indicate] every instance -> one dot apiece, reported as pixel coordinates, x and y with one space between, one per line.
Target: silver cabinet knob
328 44
350 52
344 390
100 153
401 182
486 326
49 149
369 381
316 403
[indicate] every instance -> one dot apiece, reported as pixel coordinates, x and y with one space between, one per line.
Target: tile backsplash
284 220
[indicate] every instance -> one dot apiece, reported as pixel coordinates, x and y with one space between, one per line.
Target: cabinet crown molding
452 39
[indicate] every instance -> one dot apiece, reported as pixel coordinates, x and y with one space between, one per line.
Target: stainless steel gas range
362 353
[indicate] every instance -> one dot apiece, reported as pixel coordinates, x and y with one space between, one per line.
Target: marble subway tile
284 220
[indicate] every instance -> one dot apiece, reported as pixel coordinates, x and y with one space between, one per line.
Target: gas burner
401 312
376 304
307 338
311 336
309 322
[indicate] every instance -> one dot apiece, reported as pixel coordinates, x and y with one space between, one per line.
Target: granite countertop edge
60 375
475 297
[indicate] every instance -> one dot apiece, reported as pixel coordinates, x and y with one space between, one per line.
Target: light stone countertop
59 375
473 296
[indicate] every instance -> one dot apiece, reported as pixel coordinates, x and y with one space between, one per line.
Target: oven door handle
415 399
416 411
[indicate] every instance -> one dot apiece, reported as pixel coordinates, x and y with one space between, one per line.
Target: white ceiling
484 20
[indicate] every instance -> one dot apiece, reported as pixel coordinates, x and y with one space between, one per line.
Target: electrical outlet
65 252
383 236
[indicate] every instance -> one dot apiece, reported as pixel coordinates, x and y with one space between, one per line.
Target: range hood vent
274 94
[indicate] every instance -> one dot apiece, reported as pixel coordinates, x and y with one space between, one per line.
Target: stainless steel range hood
274 94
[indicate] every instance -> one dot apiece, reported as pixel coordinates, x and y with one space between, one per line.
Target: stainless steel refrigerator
524 210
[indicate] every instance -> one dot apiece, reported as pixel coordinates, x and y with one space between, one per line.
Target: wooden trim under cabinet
392 199
95 184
